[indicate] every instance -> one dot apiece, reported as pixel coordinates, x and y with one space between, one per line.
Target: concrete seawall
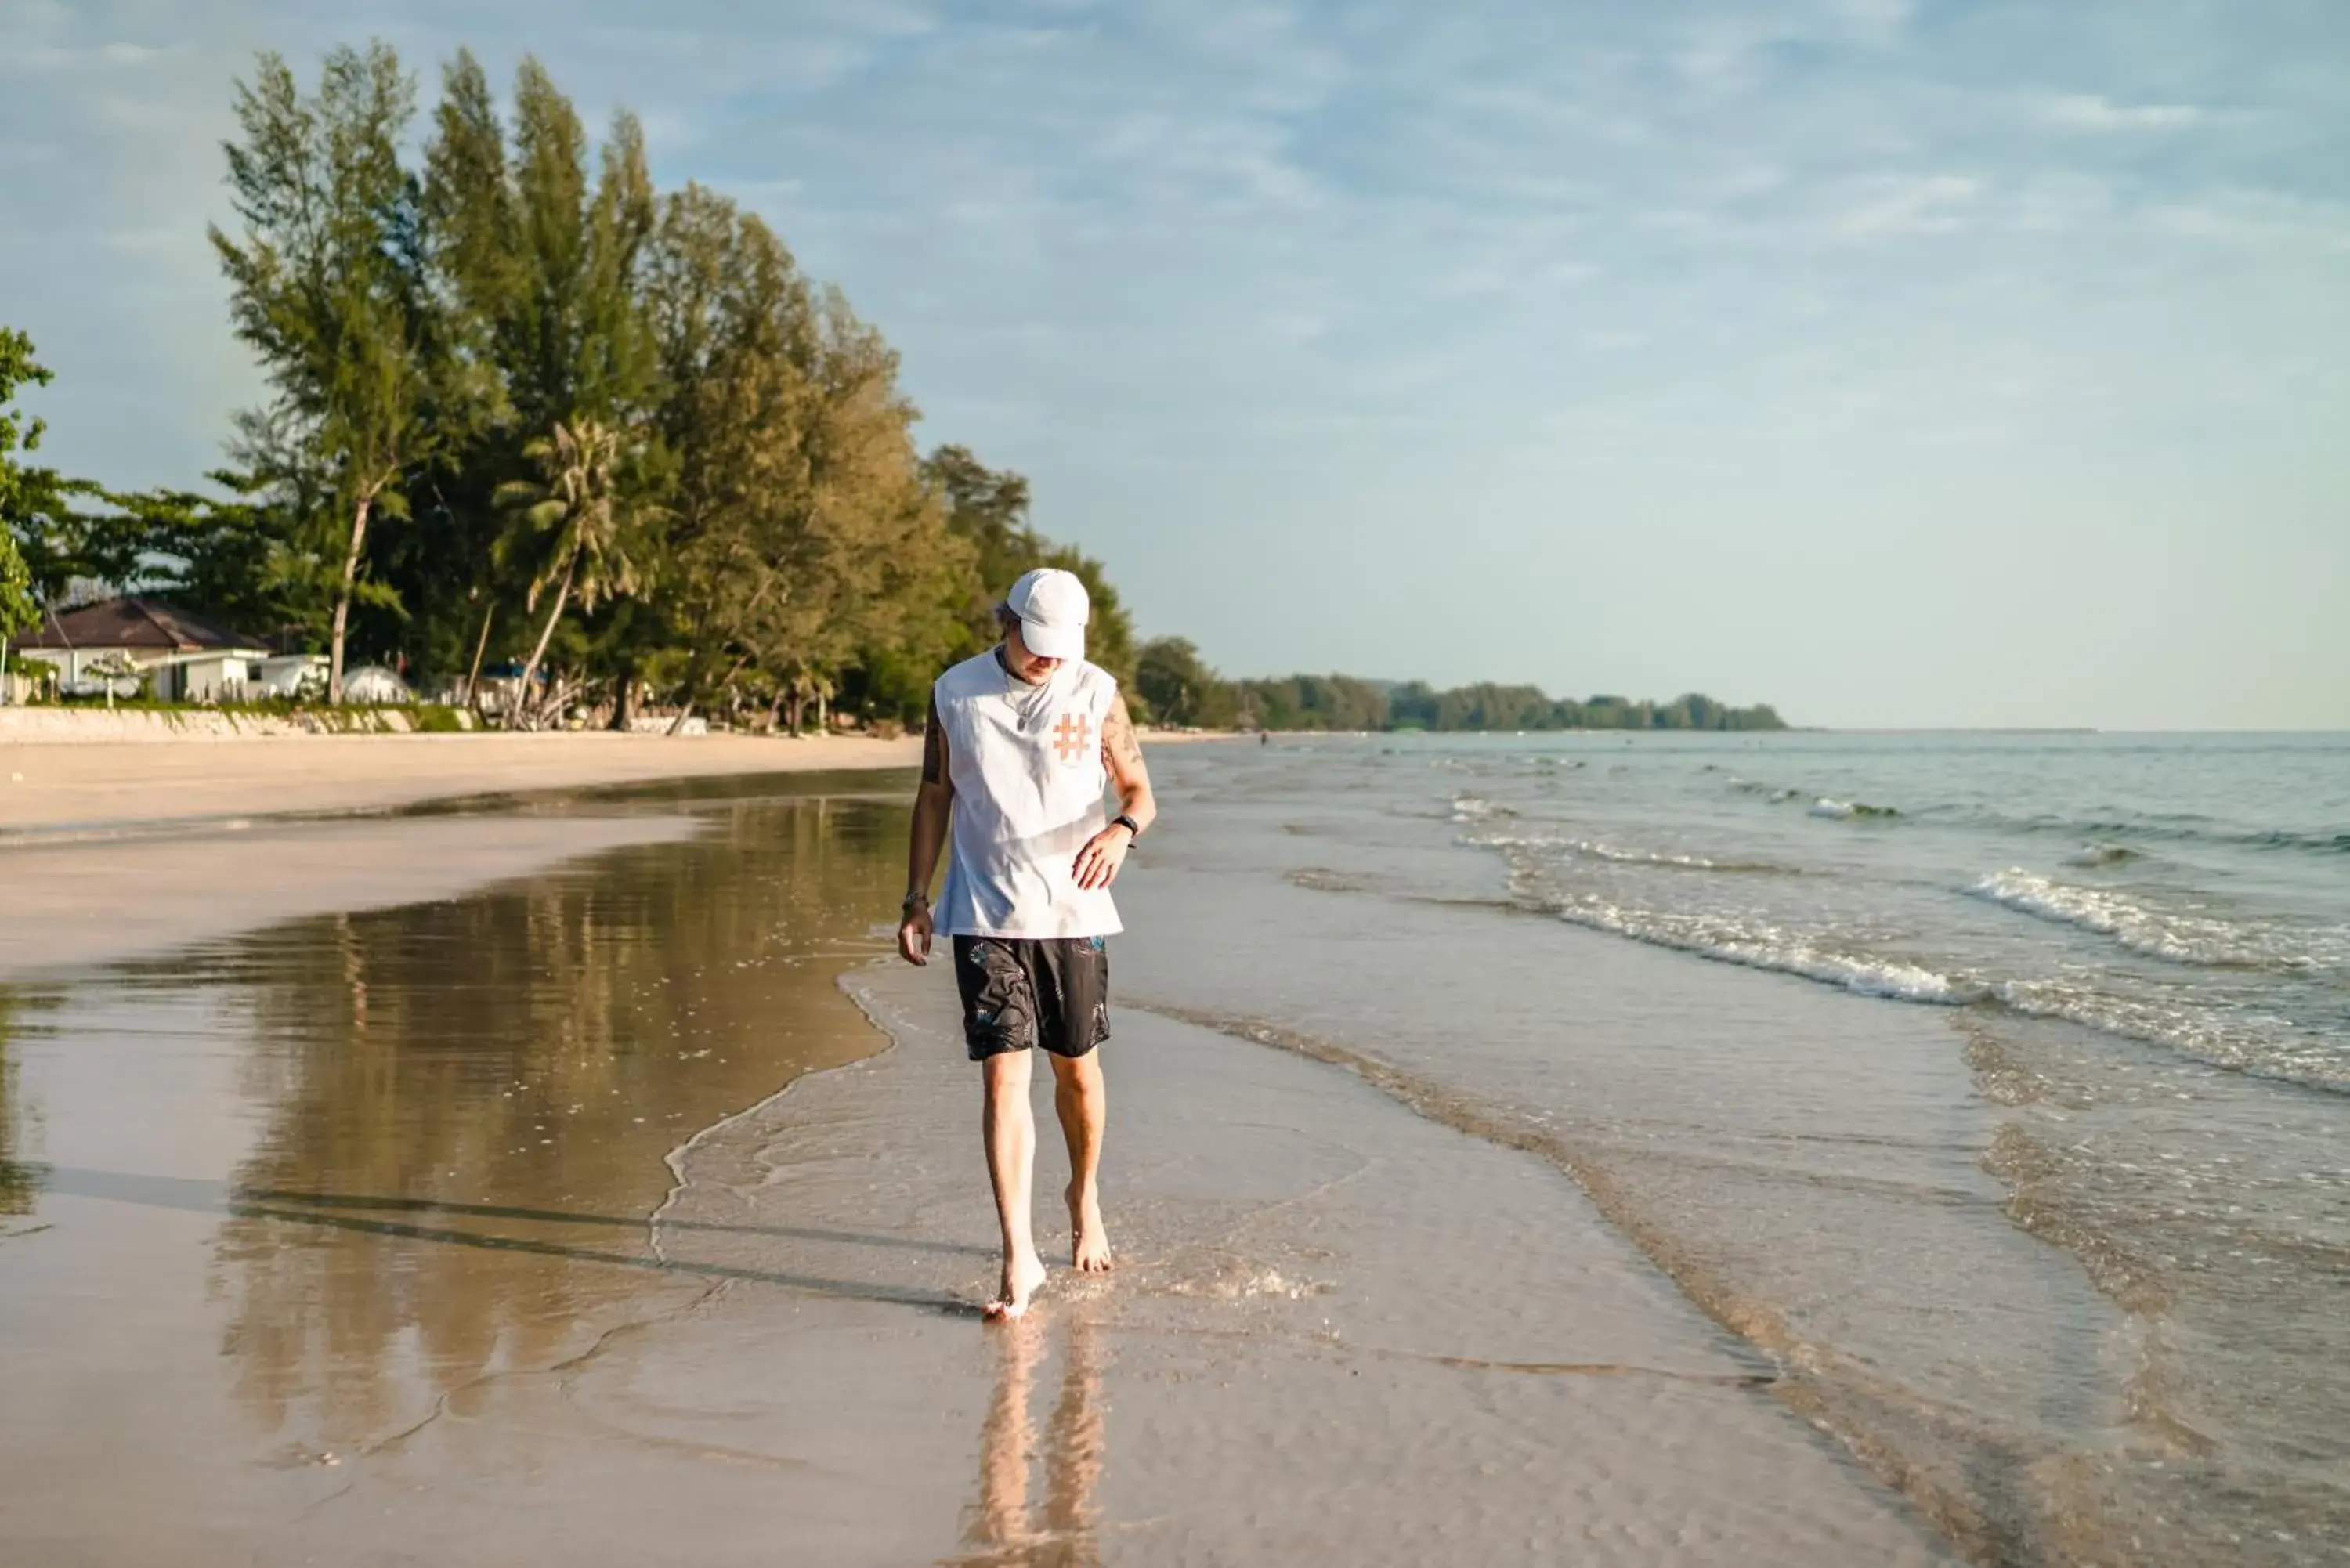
85 725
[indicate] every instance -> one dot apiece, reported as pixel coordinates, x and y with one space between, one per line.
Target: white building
287 675
183 658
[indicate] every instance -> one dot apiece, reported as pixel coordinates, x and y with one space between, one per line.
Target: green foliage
47 542
1487 706
328 284
579 524
56 533
989 508
18 607
239 563
1311 702
1109 631
434 719
801 537
1182 689
24 492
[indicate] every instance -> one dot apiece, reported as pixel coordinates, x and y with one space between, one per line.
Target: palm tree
576 499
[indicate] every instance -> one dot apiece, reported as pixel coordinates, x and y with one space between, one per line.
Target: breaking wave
2207 1028
2261 1046
2099 834
2174 937
1476 808
2094 854
2217 1035
1846 810
1764 947
1592 849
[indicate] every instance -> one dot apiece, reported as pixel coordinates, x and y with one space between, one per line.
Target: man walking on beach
1020 743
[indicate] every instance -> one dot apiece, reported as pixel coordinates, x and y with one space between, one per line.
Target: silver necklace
1029 703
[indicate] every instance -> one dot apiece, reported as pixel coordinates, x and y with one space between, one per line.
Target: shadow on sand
342 1213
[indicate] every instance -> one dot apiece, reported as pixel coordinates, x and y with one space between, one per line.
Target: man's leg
1009 1127
1083 1102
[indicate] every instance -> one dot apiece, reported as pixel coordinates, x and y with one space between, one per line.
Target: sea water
1999 1084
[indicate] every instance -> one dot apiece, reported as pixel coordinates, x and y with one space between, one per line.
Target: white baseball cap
1053 609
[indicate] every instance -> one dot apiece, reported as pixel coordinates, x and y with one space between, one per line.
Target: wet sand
512 1224
109 900
272 1199
1339 1333
586 1216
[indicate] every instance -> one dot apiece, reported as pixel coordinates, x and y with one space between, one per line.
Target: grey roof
133 623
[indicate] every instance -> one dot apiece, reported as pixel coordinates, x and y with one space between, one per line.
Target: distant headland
1182 689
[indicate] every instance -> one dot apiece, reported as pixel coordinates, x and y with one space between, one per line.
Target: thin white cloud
1910 204
2089 111
35 59
2259 219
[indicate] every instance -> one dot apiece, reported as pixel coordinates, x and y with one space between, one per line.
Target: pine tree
326 283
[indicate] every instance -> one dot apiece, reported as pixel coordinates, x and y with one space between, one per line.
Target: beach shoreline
219 834
83 783
1316 1277
117 850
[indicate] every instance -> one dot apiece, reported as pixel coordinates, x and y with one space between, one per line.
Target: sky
1899 362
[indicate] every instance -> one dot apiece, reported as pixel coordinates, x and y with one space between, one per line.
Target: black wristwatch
1122 820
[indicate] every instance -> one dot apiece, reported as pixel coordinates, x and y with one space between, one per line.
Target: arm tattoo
934 747
1119 744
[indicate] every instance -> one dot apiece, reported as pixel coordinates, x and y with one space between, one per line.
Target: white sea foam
2266 1044
1596 850
2170 936
1845 810
1762 946
1474 808
2222 1035
2097 853
1593 849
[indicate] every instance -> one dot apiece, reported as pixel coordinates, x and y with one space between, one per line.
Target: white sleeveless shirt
1026 766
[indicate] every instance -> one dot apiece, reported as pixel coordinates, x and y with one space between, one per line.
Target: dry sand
65 786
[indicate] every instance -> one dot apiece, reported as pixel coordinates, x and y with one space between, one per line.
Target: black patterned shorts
1017 992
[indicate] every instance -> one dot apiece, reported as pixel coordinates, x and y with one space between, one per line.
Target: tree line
527 413
525 408
1182 689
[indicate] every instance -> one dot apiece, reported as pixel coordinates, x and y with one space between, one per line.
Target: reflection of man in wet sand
1001 1529
1021 740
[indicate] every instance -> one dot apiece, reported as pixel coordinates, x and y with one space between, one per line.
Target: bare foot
1089 1251
1021 1277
